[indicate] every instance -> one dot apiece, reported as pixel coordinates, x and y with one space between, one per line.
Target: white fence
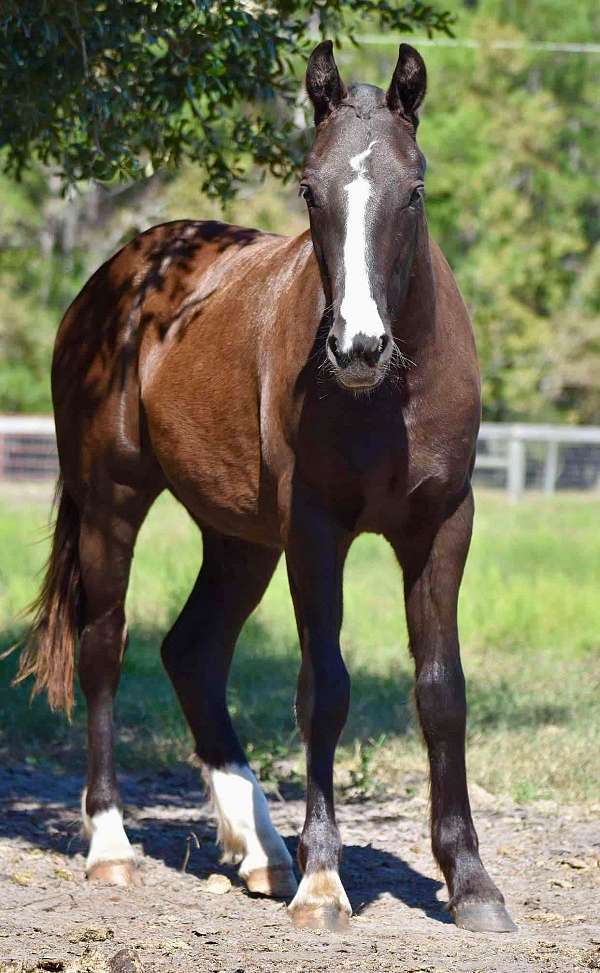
27 448
513 456
546 457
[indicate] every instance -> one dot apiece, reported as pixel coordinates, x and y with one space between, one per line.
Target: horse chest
350 461
367 464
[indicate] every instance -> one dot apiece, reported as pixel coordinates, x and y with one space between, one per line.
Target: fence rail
27 448
515 456
547 456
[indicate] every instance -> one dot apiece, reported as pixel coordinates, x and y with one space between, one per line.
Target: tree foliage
513 152
514 161
513 155
107 89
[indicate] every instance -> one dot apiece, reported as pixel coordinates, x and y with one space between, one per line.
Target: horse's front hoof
482 917
321 903
326 917
277 881
122 873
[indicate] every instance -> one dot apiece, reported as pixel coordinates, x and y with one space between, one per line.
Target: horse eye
416 196
306 192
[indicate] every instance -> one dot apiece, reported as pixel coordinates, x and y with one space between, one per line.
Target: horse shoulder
444 407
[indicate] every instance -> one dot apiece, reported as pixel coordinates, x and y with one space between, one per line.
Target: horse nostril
367 348
333 345
383 343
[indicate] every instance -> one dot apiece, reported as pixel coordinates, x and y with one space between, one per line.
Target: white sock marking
105 831
358 308
321 888
245 830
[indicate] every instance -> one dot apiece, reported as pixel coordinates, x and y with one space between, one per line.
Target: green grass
530 626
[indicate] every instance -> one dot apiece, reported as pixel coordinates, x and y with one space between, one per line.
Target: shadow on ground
43 758
40 808
152 731
151 728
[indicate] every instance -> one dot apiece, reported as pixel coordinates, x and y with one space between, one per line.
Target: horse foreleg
433 567
315 554
197 654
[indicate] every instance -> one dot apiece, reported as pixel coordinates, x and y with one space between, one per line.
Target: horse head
363 183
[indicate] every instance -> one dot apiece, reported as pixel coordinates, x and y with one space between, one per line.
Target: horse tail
49 652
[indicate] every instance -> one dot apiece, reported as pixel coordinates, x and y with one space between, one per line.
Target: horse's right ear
323 83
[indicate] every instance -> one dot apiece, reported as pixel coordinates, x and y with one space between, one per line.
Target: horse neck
414 319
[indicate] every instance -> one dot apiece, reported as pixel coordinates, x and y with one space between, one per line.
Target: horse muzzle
364 364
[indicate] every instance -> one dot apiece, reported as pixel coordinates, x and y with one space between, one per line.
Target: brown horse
291 393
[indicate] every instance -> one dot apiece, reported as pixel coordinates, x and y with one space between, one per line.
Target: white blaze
358 308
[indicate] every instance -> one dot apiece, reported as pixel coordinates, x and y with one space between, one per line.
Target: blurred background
510 131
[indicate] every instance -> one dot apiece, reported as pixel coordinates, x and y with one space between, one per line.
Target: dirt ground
545 859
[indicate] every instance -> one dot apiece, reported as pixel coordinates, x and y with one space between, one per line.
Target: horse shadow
41 808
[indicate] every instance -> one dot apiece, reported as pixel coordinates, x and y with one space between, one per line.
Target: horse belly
204 427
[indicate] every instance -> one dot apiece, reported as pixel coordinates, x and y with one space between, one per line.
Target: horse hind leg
197 654
246 833
108 531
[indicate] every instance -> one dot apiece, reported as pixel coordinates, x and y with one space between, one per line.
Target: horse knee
323 698
441 700
333 696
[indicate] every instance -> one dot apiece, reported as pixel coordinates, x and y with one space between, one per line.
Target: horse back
157 363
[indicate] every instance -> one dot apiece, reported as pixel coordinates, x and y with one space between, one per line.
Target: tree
109 89
513 199
513 155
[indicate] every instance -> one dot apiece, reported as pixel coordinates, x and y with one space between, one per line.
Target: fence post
551 467
516 467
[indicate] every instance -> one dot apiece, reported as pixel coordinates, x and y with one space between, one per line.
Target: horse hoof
483 917
321 903
324 917
277 881
113 873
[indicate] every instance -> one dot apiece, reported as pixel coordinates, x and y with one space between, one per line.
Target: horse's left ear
409 84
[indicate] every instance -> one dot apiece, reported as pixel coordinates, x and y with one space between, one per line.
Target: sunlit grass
530 626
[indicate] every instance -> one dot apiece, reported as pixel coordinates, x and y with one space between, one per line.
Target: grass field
530 624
